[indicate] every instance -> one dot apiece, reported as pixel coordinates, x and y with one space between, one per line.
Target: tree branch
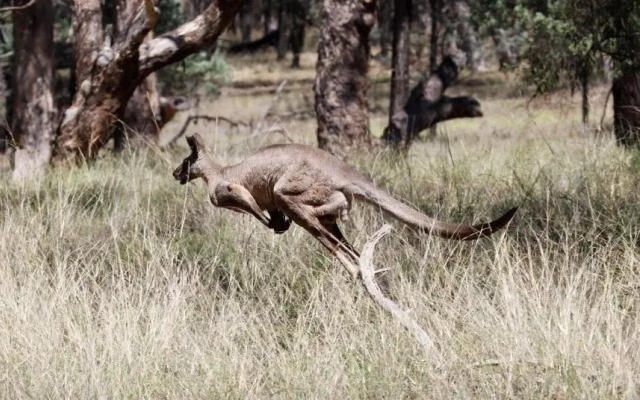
208 118
18 8
370 284
188 38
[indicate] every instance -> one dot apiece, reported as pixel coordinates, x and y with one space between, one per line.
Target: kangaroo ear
195 142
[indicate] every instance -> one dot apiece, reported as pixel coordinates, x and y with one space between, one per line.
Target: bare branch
208 118
370 284
18 8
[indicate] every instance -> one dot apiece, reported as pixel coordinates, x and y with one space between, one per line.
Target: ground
117 282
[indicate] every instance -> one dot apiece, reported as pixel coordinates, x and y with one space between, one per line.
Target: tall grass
116 282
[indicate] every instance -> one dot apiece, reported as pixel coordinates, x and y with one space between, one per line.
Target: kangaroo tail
418 220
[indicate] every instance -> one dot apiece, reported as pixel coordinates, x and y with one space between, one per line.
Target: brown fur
312 188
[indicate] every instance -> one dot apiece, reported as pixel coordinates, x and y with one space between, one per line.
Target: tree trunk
584 81
385 11
341 75
140 121
99 102
246 21
400 75
139 125
267 5
298 15
436 16
4 111
626 108
87 28
284 27
428 106
32 123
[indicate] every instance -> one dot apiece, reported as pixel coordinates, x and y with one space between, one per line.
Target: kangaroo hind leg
304 216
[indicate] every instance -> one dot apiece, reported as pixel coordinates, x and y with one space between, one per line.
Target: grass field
116 282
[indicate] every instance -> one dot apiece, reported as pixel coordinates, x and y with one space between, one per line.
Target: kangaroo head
196 164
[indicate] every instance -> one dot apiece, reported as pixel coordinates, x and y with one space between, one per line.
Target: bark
100 101
141 117
428 106
138 125
400 73
341 75
32 122
87 28
626 108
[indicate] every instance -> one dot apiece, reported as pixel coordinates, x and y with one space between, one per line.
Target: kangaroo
306 185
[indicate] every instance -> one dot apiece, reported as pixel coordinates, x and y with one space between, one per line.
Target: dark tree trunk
4 111
584 81
428 106
88 123
436 16
246 21
32 122
284 27
400 75
267 16
298 14
626 108
341 75
140 120
297 45
385 11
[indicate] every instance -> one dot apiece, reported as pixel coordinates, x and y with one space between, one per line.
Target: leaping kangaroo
313 188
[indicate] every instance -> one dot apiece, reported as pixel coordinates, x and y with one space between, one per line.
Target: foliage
6 44
171 16
571 37
203 71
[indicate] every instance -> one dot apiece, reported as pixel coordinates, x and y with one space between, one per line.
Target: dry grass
116 282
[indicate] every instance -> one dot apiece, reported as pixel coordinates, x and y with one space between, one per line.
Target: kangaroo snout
180 175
